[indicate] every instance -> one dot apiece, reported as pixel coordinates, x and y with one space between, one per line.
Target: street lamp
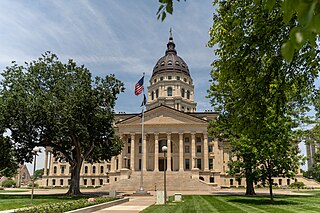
125 161
164 149
35 152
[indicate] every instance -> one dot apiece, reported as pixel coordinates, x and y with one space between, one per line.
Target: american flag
139 87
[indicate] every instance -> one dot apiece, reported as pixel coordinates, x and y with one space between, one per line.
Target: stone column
120 161
180 151
216 155
132 152
45 162
51 164
169 152
205 152
193 150
144 149
156 152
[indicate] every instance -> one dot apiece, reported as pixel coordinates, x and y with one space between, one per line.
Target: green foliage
49 103
65 206
8 183
297 185
261 97
8 161
39 173
166 6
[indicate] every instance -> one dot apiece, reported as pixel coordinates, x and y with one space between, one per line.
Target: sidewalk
135 205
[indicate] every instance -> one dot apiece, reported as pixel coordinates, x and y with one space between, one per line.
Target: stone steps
175 181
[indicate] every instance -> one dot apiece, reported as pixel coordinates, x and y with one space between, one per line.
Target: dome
171 61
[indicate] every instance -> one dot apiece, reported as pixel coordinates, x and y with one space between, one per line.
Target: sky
121 37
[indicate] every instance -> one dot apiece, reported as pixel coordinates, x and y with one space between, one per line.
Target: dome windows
169 90
169 62
162 63
169 77
177 63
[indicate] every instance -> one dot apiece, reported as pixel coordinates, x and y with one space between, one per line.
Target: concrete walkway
135 205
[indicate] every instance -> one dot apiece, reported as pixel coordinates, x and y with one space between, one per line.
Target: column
169 152
144 149
156 152
120 161
51 164
193 150
205 152
216 155
132 153
180 151
113 164
45 162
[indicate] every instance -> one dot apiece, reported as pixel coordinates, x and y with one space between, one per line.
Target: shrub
8 183
297 185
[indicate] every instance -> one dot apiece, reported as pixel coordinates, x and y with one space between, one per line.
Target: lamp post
35 152
164 149
125 161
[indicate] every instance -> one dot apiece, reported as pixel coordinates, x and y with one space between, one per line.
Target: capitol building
194 161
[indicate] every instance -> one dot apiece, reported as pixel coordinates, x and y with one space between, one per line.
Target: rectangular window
178 78
186 140
62 169
53 182
187 164
199 164
140 164
161 78
85 182
129 140
210 148
61 182
187 149
209 139
140 149
93 181
198 139
140 140
210 163
169 77
101 182
199 149
129 149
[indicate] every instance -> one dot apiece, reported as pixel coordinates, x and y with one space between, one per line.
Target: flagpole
142 141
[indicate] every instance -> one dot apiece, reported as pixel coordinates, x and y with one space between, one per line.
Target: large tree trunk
249 187
74 188
270 188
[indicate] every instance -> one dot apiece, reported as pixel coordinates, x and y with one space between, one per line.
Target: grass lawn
20 201
233 204
14 191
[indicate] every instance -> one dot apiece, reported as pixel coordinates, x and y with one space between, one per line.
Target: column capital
193 135
205 135
168 135
132 135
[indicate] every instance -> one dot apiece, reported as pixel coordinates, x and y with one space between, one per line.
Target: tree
49 103
38 173
262 98
8 162
306 11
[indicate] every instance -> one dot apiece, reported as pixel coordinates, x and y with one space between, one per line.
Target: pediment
165 116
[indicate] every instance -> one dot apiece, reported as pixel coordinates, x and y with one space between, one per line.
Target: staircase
152 181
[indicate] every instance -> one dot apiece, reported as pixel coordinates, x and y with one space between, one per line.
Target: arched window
182 93
152 95
55 170
157 93
93 169
101 169
188 94
86 169
169 91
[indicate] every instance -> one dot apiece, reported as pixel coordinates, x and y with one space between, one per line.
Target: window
186 140
53 182
177 106
155 80
210 163
211 179
199 149
239 182
188 94
157 93
178 78
140 140
85 182
210 148
55 170
129 149
61 182
198 139
162 63
169 77
280 182
129 140
161 78
187 149
101 169
187 164
69 182
177 63
129 164
86 170
62 169
140 149
93 169
140 164
199 163
152 95
101 182
182 93
93 182
185 80
231 182
209 139
169 62
169 91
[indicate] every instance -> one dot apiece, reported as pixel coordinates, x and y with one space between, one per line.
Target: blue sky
109 36
114 36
